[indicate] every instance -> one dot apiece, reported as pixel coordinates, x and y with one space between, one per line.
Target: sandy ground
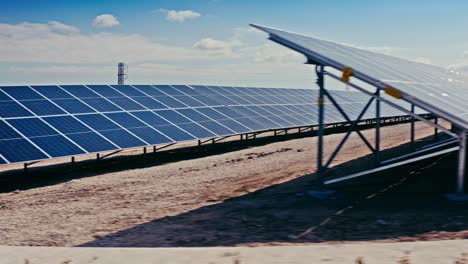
454 252
253 196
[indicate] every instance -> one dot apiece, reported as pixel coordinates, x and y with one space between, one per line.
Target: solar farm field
256 195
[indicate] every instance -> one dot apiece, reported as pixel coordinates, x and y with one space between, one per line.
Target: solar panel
41 122
276 108
438 90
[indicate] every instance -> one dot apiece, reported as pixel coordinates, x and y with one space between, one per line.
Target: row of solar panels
41 122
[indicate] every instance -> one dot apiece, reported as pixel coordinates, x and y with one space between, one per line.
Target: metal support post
436 130
377 129
320 70
460 194
144 150
412 125
461 163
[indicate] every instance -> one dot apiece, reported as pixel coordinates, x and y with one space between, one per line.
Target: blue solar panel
128 90
243 119
126 103
193 115
149 90
6 132
20 150
57 146
185 89
66 124
92 142
42 107
258 117
175 133
189 101
52 92
98 122
73 106
4 97
173 116
125 120
186 124
13 109
206 122
207 100
197 130
150 118
80 91
105 91
21 93
225 121
123 138
277 119
32 127
75 119
101 104
150 135
149 103
170 102
167 89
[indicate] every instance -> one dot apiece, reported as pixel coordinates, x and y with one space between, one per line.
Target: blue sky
209 42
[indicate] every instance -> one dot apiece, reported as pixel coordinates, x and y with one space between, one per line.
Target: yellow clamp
393 92
347 73
320 101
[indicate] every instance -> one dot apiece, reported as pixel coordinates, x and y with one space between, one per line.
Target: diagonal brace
348 133
343 113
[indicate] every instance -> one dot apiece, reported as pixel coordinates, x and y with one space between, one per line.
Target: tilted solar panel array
441 91
282 108
41 122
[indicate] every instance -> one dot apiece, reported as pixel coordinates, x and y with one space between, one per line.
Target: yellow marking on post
393 92
321 101
347 73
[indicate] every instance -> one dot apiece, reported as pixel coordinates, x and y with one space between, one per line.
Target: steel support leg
377 130
321 84
412 125
436 130
461 163
460 194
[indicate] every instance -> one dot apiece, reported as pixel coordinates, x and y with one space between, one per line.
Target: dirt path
184 203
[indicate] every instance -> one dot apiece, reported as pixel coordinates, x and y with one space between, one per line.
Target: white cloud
105 21
60 27
215 47
58 53
270 53
180 16
50 43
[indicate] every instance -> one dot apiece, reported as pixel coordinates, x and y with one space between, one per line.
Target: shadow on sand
412 209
